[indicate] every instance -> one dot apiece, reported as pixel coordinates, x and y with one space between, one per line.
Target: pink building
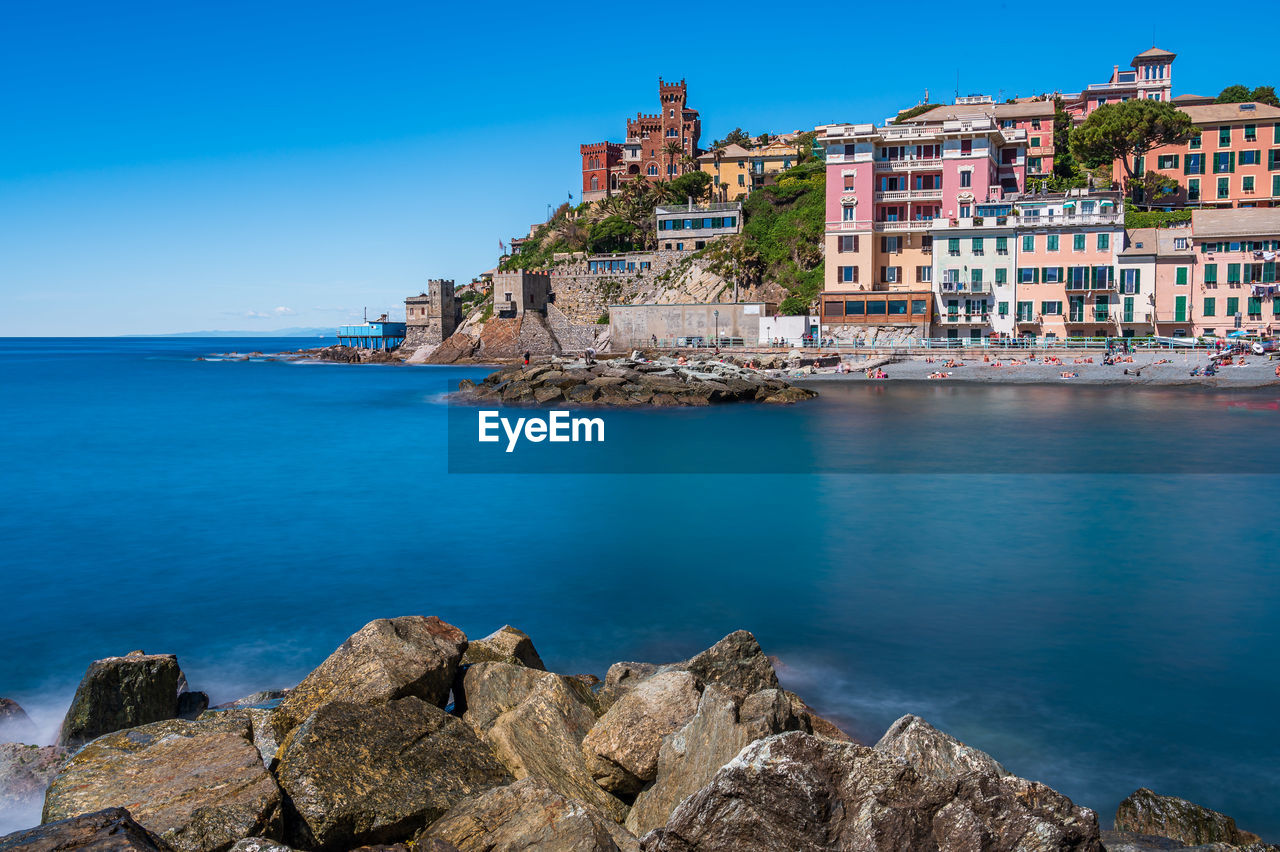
1149 76
1034 118
1230 261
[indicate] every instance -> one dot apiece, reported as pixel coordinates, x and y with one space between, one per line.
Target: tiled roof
1027 109
1154 53
1140 241
1236 222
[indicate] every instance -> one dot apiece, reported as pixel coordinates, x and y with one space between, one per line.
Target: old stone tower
432 316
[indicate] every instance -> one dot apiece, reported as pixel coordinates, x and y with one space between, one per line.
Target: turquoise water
1097 631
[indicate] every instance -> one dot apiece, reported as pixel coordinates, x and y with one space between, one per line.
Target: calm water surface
1097 631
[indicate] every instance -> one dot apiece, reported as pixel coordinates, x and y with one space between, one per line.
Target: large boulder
690 757
122 692
387 659
25 773
264 734
802 793
535 722
199 786
932 753
622 748
737 663
15 725
109 830
527 815
1145 812
260 844
376 773
506 645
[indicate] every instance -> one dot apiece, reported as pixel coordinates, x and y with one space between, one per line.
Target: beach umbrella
1236 333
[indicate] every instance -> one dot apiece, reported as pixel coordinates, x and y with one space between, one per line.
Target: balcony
1030 320
964 319
907 225
1039 151
909 195
1060 221
906 164
963 287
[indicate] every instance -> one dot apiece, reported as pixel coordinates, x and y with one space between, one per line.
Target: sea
1080 581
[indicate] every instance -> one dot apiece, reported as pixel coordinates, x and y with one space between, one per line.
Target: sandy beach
1145 369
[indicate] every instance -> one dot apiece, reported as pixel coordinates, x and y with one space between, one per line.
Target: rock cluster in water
633 381
411 737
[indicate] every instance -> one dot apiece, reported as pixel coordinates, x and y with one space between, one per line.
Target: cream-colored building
737 171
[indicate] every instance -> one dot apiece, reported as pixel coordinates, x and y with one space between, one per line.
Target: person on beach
526 359
589 356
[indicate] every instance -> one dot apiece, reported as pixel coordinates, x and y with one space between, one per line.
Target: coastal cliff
411 737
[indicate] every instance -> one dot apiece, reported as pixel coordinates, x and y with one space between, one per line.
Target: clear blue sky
181 166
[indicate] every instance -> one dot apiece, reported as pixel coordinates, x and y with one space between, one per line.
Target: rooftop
1028 109
678 209
1140 241
1237 222
1154 53
1210 113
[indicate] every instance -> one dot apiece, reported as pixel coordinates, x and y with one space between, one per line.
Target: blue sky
180 166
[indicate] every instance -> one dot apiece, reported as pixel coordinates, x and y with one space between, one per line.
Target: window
924 274
1210 307
1193 164
966 178
1254 308
1035 141
1275 184
1051 242
1181 278
652 170
1128 309
1211 273
1194 142
1180 243
847 274
1224 137
742 180
1130 281
848 183
1029 243
1024 312
848 214
1077 242
1002 245
1035 125
1002 308
1246 183
1251 133
920 306
1233 306
1273 159
1224 187
1233 273
1077 277
855 308
1193 189
966 147
1052 275
1104 242
847 244
1250 158
1180 309
953 247
891 245
1224 161
976 279
950 277
890 275
1051 308
1028 275
1167 161
977 245
1002 275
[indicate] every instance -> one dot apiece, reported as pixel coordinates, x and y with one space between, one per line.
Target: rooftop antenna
957 84
366 313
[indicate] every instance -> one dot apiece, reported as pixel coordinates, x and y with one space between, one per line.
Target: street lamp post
716 312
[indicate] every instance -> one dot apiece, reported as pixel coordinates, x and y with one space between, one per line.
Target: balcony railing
908 163
907 225
964 319
1059 221
964 287
909 195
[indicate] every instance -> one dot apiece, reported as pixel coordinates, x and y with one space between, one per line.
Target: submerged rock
122 692
622 748
535 722
358 773
506 645
387 659
1145 812
199 786
530 815
109 830
801 793
932 753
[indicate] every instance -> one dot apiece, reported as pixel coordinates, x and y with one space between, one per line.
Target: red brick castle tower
605 165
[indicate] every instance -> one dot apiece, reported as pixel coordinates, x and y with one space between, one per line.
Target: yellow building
736 171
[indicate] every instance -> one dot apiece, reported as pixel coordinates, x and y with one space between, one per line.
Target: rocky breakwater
411 737
633 382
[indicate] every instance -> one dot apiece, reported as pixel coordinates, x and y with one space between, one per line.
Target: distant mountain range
279 332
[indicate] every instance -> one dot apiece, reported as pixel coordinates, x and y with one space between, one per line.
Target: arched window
653 170
613 181
595 183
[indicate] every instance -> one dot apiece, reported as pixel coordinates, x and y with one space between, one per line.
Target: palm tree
672 149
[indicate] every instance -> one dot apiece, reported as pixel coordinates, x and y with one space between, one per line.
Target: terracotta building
605 165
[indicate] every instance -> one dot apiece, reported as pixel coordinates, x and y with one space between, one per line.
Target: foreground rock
622 749
1146 812
122 692
690 757
15 725
535 723
199 786
796 791
736 662
358 774
109 830
934 754
528 814
387 659
626 382
506 645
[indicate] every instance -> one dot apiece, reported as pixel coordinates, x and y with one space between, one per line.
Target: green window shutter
1231 161
1137 280
1036 275
1255 306
1003 307
1002 243
1233 273
1180 309
1001 275
1060 277
1233 306
1029 243
1269 272
1275 184
1211 273
953 244
1210 305
1182 275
